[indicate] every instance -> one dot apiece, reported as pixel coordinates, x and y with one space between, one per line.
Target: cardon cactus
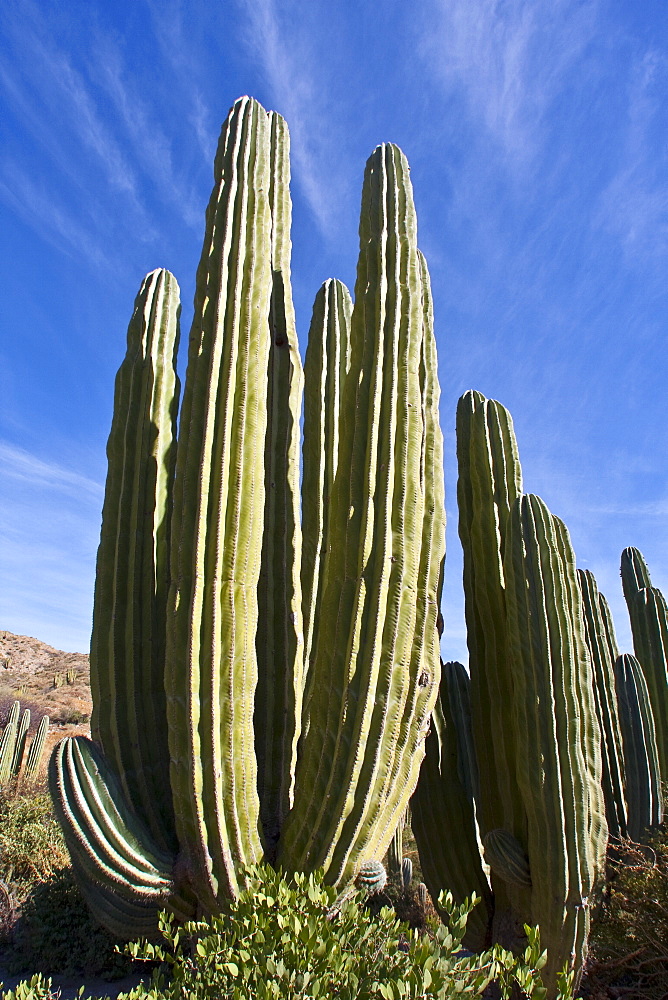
602 645
443 808
534 723
261 692
649 624
641 759
14 742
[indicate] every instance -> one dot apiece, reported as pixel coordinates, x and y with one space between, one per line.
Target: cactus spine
225 740
649 624
643 779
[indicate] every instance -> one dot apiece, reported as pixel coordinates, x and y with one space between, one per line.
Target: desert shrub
31 843
57 934
289 939
629 940
69 716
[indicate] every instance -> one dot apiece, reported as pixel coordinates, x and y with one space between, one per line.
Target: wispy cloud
21 465
151 147
48 539
508 59
287 62
634 204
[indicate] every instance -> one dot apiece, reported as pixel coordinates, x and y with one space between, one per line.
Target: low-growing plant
32 847
293 938
629 941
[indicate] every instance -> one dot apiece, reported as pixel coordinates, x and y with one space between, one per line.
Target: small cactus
372 877
406 872
71 676
422 895
58 680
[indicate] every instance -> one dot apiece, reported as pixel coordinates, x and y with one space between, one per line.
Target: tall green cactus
297 686
643 779
600 638
534 723
649 624
558 760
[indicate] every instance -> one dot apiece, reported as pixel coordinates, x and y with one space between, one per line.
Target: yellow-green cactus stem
372 681
217 530
641 758
127 654
557 734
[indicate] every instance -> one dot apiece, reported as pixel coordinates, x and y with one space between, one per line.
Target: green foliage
56 934
629 934
288 939
35 988
31 843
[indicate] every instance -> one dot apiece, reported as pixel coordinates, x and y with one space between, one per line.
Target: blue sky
537 138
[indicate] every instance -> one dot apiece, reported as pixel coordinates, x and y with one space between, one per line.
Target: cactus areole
262 686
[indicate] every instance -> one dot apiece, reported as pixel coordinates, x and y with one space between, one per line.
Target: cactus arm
489 480
558 764
111 848
365 629
211 671
634 573
279 642
325 369
8 743
600 646
20 743
132 580
401 777
37 747
643 779
443 811
649 624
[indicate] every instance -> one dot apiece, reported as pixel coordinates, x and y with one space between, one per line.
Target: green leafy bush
292 938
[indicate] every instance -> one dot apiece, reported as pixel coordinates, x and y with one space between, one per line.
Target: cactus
406 872
36 749
58 680
71 676
292 727
649 624
443 808
540 783
372 877
8 743
558 758
13 745
507 858
602 645
641 761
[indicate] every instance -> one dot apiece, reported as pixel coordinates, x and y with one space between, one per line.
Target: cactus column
374 662
249 768
649 624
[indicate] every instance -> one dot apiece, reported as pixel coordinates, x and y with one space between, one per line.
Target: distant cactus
422 894
36 750
71 676
13 745
58 680
406 872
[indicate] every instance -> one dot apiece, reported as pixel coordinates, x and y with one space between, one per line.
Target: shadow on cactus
262 684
